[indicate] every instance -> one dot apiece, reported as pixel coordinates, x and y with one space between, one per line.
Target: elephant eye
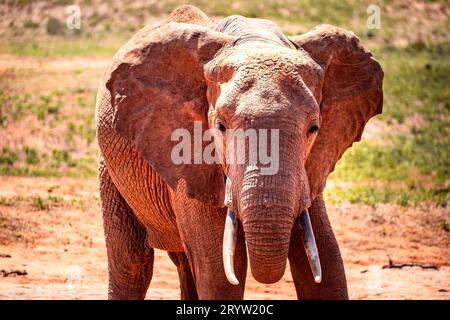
313 129
220 127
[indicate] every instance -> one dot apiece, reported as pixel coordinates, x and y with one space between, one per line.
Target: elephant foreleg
333 284
130 260
201 230
187 284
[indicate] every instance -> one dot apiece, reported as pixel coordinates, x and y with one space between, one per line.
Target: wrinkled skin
319 89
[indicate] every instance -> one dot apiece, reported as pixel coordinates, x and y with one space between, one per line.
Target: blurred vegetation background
49 77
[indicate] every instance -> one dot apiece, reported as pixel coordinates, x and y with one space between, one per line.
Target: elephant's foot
130 280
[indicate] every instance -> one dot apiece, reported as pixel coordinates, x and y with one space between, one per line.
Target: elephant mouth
230 236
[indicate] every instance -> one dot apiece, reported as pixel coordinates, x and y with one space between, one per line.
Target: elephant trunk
308 240
267 209
267 225
267 232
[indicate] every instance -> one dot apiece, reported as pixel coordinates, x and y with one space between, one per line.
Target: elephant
318 90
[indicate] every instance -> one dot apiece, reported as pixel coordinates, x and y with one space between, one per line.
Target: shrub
55 27
32 156
30 24
8 157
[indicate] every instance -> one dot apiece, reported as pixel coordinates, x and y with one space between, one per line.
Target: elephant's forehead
274 62
278 78
272 55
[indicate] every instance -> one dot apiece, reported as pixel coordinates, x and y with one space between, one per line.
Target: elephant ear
157 86
351 94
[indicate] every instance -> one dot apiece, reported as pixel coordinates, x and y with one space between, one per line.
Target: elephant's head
317 90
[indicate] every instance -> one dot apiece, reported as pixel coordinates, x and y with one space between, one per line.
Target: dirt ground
51 229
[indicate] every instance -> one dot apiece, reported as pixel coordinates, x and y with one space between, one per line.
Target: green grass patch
8 201
101 36
62 157
41 204
86 129
30 24
445 225
45 105
76 124
7 157
14 107
30 162
305 12
62 46
371 196
84 168
32 156
404 160
417 80
45 203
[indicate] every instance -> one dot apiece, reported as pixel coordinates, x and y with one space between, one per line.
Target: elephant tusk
229 245
309 242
